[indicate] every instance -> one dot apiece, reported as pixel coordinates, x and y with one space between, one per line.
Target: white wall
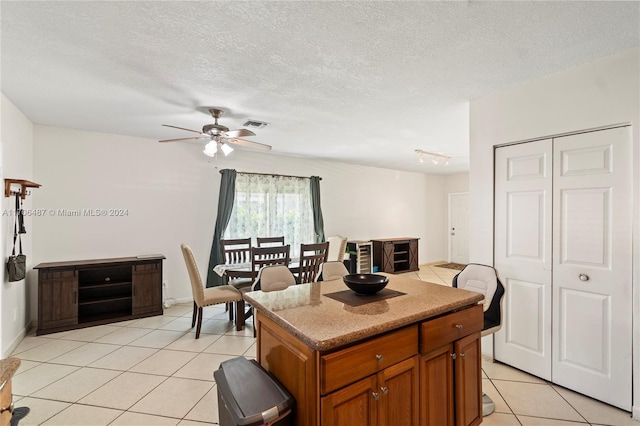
16 141
596 94
457 183
171 191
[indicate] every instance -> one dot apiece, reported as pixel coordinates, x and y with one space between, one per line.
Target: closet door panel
592 265
585 323
523 189
585 226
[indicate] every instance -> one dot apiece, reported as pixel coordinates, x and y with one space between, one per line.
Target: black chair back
311 257
267 256
270 241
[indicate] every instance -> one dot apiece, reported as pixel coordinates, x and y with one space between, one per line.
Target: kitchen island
412 358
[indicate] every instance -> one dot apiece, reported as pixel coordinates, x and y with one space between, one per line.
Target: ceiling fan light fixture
226 149
210 149
219 135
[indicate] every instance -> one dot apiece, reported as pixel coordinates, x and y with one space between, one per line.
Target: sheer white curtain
270 206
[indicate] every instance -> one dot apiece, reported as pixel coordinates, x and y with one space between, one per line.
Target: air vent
255 124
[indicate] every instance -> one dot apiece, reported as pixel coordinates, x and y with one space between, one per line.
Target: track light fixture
435 157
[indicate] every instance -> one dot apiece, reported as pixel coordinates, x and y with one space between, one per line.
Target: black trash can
248 395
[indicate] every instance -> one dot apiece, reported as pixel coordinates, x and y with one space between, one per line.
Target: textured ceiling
360 82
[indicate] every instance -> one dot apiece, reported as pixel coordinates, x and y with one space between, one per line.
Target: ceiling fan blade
238 133
182 128
185 139
249 144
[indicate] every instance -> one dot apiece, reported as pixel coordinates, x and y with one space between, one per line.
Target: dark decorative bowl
365 283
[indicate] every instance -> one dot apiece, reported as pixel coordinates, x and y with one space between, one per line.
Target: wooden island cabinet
83 293
413 359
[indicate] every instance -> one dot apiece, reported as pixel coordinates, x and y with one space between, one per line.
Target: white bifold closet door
563 250
523 198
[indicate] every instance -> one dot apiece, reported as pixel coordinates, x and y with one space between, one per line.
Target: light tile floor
153 371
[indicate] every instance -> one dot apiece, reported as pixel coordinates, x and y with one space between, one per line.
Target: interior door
459 228
592 265
523 196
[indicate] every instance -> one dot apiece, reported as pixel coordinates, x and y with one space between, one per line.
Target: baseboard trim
635 413
14 344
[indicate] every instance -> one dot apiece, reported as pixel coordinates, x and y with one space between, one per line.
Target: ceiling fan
220 136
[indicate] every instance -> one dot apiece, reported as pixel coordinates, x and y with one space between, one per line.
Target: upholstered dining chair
262 257
270 241
273 278
311 257
337 248
483 279
210 296
237 251
332 270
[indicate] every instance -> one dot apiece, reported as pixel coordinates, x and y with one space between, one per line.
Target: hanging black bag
17 264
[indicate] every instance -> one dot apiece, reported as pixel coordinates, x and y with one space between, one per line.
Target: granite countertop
324 323
8 367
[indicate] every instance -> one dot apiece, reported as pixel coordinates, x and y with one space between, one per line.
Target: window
270 206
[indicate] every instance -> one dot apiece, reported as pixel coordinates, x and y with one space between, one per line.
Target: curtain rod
273 174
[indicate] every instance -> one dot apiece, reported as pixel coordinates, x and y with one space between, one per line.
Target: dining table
226 269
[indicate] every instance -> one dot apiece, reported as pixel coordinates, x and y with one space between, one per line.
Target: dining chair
268 256
270 241
237 251
311 257
210 296
332 270
262 257
337 248
270 278
273 278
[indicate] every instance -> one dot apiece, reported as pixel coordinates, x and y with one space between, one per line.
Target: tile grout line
503 398
228 331
570 404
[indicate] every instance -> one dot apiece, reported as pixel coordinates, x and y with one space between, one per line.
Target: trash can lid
251 395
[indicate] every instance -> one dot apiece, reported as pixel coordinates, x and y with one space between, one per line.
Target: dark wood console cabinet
83 293
396 255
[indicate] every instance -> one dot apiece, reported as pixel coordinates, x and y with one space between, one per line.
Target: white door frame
449 196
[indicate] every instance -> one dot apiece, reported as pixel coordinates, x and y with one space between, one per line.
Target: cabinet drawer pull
453 355
385 390
379 357
75 297
459 326
133 290
462 355
375 395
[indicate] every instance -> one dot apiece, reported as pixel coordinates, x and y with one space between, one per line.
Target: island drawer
449 328
348 365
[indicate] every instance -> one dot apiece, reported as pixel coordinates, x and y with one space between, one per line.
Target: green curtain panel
318 222
225 205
